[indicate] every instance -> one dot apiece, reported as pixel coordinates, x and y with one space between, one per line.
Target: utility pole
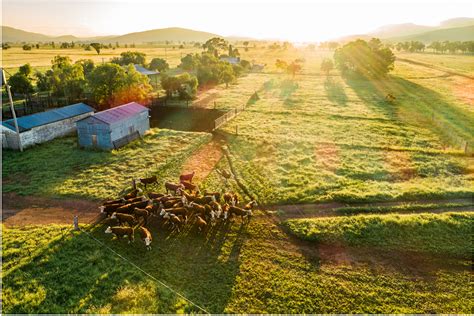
4 79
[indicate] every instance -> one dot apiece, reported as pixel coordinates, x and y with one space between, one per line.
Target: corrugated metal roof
120 112
38 119
145 71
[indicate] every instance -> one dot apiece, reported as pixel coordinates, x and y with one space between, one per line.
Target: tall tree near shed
112 85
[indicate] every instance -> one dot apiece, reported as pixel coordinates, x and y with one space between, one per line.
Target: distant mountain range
458 29
11 34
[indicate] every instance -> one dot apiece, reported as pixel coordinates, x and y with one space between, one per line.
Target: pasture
308 140
255 268
61 169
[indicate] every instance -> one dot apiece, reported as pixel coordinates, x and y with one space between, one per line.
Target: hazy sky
294 20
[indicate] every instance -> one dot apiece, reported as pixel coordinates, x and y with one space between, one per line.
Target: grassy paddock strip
409 207
61 169
45 273
441 234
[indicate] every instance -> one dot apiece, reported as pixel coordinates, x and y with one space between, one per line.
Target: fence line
146 273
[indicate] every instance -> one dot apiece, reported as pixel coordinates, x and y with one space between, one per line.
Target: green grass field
61 169
321 139
442 234
255 268
308 139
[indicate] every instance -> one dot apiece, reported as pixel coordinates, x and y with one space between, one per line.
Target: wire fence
146 273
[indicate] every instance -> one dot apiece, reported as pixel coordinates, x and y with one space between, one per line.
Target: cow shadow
200 265
75 274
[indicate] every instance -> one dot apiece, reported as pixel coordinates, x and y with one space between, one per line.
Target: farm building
231 60
41 127
113 128
151 74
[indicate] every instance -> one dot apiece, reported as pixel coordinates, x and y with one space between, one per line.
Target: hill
166 34
398 30
10 34
465 33
457 22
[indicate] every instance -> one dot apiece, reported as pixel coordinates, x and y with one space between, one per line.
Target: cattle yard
364 204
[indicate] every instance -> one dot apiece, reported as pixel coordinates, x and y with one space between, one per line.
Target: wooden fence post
236 129
465 147
76 222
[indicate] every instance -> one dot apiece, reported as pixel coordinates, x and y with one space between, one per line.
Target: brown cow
121 232
149 180
145 236
187 177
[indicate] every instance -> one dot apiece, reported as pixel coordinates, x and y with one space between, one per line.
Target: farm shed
42 127
151 74
231 60
113 128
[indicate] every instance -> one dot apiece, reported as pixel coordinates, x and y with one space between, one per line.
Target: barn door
94 140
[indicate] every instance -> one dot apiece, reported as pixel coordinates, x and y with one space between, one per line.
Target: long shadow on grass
335 91
202 266
418 104
44 169
76 275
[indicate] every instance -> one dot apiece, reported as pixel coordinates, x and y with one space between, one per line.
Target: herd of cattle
182 203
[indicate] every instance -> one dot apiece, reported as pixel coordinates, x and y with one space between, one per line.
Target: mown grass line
447 234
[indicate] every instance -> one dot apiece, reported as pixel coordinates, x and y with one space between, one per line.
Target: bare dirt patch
204 160
205 100
28 210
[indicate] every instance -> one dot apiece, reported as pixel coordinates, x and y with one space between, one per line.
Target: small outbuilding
113 128
42 127
151 74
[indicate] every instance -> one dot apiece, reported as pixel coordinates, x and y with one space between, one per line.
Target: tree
327 65
214 45
97 47
43 80
227 75
112 85
37 46
294 68
20 83
159 64
27 47
184 85
246 44
188 86
66 79
87 65
25 70
189 62
170 84
245 64
129 57
281 64
368 59
5 46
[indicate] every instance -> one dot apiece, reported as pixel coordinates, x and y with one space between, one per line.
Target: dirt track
27 210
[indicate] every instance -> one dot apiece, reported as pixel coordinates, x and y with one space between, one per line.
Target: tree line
437 47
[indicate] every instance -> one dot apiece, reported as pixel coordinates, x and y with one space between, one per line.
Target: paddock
184 119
